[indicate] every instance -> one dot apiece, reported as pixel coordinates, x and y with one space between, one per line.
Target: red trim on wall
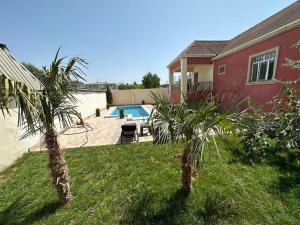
199 60
191 61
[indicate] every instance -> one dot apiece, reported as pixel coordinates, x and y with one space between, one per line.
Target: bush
109 98
143 102
121 111
258 139
97 112
275 132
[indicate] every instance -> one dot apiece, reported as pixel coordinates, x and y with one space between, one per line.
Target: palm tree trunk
186 170
58 167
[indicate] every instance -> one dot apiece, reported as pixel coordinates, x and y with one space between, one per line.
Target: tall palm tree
42 111
195 125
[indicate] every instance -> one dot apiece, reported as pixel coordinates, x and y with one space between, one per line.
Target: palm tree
195 125
41 111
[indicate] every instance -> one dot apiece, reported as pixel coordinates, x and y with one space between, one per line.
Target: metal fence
199 86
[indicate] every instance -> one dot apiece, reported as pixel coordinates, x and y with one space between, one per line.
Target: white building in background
11 147
97 86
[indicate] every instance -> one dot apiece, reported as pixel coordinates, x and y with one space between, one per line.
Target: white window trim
223 65
273 80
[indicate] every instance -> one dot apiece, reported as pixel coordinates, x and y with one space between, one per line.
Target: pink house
248 65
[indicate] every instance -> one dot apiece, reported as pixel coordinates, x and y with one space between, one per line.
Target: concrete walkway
97 131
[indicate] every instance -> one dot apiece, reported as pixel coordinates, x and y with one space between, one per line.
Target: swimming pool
136 111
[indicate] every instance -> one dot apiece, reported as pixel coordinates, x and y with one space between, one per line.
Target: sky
123 39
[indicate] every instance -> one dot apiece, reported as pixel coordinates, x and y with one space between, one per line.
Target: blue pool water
134 110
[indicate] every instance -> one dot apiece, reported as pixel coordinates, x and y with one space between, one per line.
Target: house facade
249 65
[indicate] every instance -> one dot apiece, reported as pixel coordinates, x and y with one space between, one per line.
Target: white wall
11 147
136 96
89 101
205 72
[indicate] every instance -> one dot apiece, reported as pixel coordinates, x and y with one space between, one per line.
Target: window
222 69
262 67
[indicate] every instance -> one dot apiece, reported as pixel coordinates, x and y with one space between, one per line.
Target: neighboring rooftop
14 70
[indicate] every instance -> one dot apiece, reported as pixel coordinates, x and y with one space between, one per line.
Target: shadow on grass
144 211
286 161
289 180
217 207
16 214
150 210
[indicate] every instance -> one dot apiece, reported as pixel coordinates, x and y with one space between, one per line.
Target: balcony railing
199 86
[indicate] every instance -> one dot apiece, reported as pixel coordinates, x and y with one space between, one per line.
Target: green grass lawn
138 184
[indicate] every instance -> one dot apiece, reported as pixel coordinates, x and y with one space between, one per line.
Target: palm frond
38 110
196 124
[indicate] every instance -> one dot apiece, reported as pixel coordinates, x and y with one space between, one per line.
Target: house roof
283 18
14 70
203 48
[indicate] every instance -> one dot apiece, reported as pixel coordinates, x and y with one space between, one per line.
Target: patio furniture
146 126
129 117
129 132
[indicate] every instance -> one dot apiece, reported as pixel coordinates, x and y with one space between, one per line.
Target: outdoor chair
129 132
145 126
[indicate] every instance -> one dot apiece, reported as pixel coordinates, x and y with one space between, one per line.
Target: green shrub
121 112
97 112
257 138
109 97
278 131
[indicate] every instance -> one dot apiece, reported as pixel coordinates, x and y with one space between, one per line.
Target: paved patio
98 131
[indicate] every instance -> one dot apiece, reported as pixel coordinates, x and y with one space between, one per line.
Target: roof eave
190 56
179 56
264 37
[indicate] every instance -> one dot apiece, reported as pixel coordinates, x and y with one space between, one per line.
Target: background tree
126 86
122 86
38 73
135 85
40 110
151 80
109 97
